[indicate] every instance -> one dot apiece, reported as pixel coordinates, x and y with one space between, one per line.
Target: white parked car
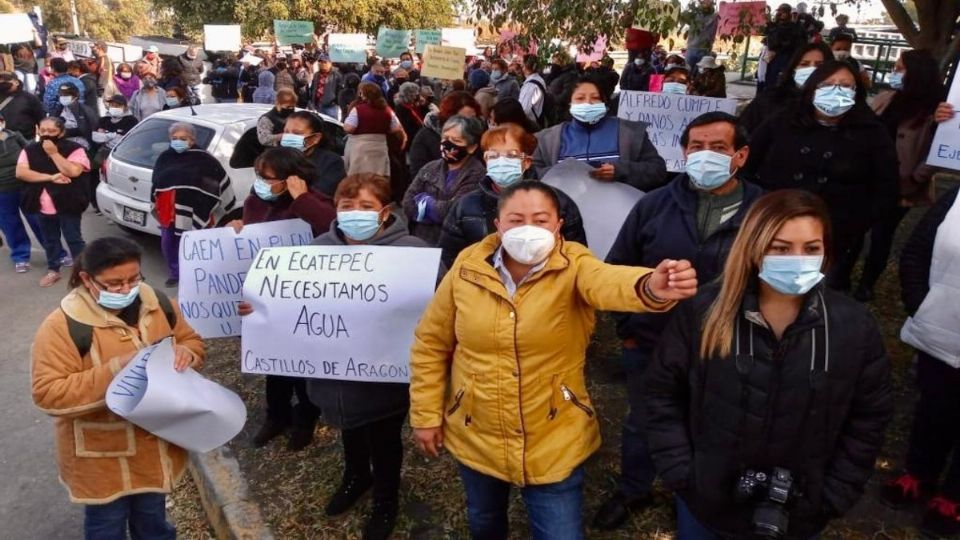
125 177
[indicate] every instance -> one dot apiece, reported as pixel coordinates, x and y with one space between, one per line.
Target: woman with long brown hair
768 395
368 123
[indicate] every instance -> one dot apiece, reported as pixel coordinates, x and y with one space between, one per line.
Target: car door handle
134 179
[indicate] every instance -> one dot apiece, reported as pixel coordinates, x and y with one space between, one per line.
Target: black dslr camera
771 491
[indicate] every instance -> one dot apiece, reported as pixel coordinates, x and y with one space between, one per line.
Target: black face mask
49 138
453 152
6 87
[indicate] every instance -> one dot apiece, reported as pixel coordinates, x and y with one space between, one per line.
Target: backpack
82 334
549 115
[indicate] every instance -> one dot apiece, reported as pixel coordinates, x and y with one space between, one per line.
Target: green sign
392 43
426 37
293 32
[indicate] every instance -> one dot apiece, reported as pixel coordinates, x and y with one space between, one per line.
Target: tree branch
898 14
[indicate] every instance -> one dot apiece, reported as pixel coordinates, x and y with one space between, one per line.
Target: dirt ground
292 489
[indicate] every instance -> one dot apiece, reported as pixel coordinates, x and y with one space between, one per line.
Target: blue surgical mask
801 74
172 102
111 300
834 101
708 170
291 140
792 274
674 88
895 80
359 225
406 64
639 61
505 171
179 146
264 190
496 75
66 101
588 113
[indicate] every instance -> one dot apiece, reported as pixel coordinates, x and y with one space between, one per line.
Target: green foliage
111 20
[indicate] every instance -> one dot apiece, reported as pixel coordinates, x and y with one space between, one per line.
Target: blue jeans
145 515
688 528
332 111
12 227
636 467
53 226
553 509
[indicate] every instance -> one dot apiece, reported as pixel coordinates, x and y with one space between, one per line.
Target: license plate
131 215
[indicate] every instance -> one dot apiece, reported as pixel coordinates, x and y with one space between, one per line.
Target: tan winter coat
101 456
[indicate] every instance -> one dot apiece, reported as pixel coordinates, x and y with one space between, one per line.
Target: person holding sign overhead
119 471
507 333
619 150
279 192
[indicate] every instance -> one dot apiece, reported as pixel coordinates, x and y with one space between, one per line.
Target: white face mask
528 244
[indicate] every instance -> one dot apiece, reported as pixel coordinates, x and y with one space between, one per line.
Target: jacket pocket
104 439
571 397
463 401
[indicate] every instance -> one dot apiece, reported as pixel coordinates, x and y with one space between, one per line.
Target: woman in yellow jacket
118 470
497 363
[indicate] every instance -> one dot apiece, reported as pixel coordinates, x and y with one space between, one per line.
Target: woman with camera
768 395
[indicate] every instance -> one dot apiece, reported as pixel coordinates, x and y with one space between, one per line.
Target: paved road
32 501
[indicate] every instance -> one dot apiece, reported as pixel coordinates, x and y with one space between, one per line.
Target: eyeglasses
512 154
114 286
829 85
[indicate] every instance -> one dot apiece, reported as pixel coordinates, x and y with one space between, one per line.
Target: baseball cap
117 99
153 49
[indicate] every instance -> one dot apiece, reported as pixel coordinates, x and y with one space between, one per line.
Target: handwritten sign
221 37
442 62
336 312
392 43
734 16
348 48
595 54
458 37
213 264
667 116
424 37
17 28
293 32
945 150
183 408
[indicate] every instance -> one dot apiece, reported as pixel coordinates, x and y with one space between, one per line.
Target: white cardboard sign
336 312
221 37
945 150
184 408
213 264
667 116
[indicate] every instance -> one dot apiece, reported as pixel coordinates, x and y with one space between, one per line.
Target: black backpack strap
81 334
167 308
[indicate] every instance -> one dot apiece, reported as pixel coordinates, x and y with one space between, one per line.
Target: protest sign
458 37
426 37
183 408
945 150
442 62
17 28
213 263
293 32
221 37
596 54
392 43
604 206
348 48
734 16
509 37
667 116
336 312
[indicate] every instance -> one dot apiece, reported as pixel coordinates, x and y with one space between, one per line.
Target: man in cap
152 61
325 88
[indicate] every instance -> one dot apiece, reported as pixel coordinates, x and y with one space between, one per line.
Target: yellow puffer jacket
504 377
101 456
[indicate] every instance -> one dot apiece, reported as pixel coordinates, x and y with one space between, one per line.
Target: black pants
881 242
934 436
279 392
377 446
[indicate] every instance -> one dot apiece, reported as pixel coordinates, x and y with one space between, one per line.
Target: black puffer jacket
816 403
471 220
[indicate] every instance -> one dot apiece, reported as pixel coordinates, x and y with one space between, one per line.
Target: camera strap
819 367
744 364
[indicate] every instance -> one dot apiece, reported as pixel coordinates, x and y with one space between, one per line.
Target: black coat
817 406
192 69
471 220
917 254
425 146
563 79
663 225
23 113
770 103
852 166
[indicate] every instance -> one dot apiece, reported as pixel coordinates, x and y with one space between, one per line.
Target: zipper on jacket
553 401
568 395
468 400
456 402
775 390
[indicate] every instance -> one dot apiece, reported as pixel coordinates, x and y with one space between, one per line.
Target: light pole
73 14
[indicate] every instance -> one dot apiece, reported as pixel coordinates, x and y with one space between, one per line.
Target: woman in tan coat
507 334
118 470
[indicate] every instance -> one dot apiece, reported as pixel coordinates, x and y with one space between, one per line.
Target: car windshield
150 139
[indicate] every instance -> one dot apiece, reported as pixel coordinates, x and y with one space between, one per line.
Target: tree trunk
933 29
